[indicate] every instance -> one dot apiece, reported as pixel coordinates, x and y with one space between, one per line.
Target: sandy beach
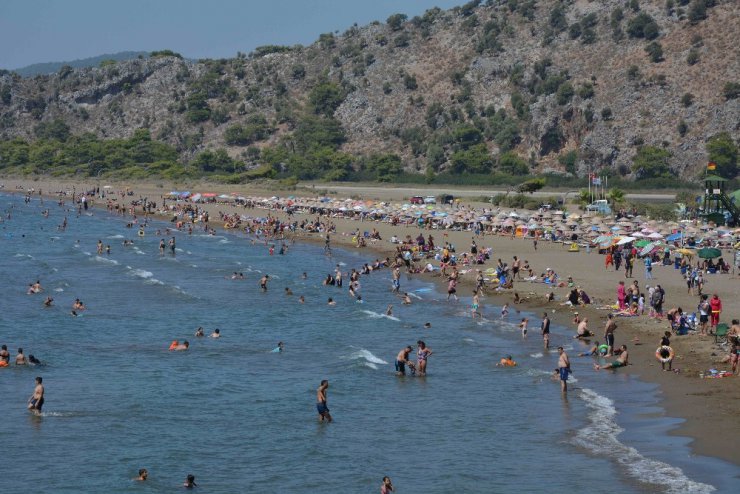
708 405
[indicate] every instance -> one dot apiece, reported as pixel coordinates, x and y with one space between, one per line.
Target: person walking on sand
609 334
563 369
36 401
716 305
545 329
648 268
704 310
321 405
665 341
621 295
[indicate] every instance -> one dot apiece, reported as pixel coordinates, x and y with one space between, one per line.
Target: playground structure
718 207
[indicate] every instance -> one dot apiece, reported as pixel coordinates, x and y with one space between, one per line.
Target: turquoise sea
243 419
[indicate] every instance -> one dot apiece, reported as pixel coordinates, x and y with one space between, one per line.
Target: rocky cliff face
569 76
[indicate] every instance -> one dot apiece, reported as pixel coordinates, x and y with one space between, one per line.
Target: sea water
242 418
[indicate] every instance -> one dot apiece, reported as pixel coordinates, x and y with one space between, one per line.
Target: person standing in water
609 334
475 305
523 326
422 354
36 401
396 279
402 359
545 328
172 245
190 482
263 282
321 406
563 368
387 486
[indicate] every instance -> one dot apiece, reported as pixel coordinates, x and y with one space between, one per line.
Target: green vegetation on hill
444 96
52 67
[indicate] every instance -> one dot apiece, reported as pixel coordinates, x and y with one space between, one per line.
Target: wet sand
708 406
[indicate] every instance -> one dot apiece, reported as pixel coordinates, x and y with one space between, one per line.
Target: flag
596 180
711 166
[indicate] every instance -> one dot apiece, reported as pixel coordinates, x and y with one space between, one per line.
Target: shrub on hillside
643 26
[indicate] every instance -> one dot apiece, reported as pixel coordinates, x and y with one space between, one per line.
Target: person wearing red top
716 305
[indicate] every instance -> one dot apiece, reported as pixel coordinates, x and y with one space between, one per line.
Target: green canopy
642 243
709 253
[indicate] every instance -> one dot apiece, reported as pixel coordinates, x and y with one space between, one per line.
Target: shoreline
706 406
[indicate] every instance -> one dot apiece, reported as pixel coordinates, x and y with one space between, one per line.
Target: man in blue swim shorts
563 368
402 359
321 401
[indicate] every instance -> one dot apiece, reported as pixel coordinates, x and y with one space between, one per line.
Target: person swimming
506 362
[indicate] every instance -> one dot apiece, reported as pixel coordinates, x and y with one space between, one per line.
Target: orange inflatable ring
173 345
664 354
3 363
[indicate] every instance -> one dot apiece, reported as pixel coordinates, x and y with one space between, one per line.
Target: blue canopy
674 237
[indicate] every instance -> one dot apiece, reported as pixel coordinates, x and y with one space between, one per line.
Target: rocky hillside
509 86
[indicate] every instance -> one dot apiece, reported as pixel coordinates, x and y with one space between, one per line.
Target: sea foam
600 436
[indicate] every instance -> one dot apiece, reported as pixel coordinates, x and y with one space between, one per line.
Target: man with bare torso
321 406
609 334
622 360
563 368
36 401
402 360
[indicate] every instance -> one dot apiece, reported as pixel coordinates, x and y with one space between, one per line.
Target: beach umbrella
642 243
655 236
647 249
626 240
709 253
